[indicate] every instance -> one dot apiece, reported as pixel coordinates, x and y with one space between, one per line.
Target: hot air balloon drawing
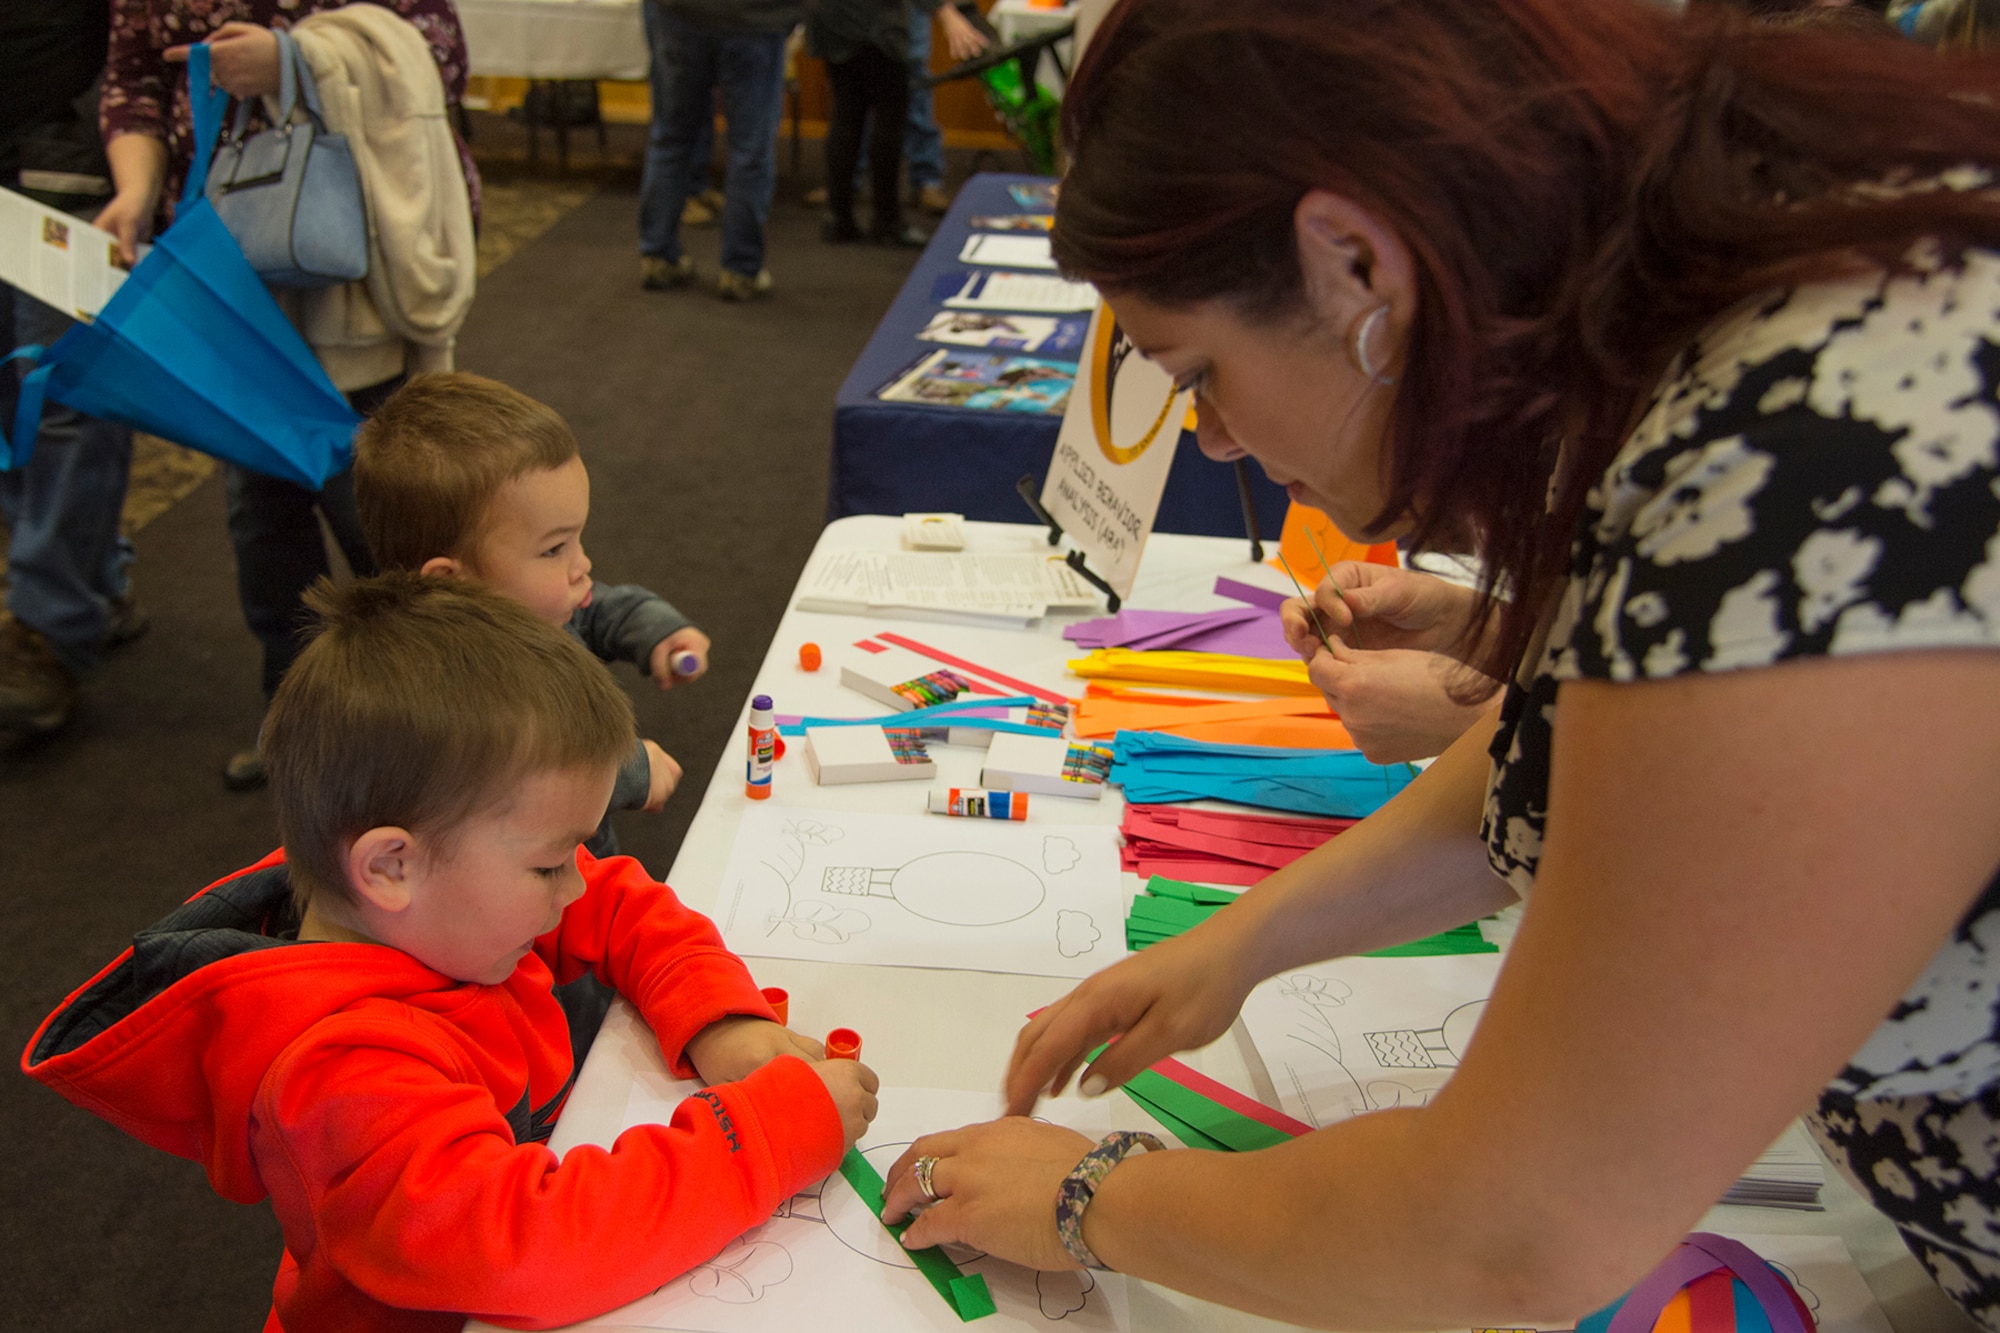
951 888
1440 1047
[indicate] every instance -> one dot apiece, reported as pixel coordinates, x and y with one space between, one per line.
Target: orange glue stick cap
843 1044
809 656
779 999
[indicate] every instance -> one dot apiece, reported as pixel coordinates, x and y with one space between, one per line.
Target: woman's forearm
138 165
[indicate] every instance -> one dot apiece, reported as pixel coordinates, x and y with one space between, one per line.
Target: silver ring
924 1167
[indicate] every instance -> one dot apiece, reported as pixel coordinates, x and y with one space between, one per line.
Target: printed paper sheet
921 891
825 1263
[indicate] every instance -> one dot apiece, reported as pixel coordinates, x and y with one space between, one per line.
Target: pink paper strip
1013 686
1269 598
1195 1081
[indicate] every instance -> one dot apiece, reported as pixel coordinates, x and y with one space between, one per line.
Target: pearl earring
1359 339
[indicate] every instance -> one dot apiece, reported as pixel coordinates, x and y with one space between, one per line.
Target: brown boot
37 692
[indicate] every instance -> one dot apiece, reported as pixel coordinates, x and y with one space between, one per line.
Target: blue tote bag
194 349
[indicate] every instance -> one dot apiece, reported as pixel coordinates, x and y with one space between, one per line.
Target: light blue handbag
290 194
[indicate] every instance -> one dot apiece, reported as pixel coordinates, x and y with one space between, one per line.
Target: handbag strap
27 410
208 102
295 83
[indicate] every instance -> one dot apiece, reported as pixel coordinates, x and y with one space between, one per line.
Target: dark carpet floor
706 429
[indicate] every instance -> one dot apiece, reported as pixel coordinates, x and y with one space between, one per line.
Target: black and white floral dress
1819 476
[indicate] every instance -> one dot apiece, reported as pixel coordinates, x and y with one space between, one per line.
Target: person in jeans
68 595
147 121
701 47
866 45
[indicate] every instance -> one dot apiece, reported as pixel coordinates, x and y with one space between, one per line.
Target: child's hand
682 641
852 1085
666 775
733 1048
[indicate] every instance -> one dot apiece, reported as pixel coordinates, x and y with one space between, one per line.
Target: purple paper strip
1269 598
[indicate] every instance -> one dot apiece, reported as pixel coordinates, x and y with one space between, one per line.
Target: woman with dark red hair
1694 326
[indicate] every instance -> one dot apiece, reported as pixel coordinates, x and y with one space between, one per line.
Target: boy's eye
550 872
557 549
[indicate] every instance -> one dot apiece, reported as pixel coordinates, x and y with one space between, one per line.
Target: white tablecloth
555 39
954 1029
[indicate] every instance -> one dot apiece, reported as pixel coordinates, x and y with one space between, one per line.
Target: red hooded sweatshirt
394 1116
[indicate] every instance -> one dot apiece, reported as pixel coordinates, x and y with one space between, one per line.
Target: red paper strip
1195 1081
1013 686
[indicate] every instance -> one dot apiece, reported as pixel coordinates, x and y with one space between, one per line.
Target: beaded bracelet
1080 1185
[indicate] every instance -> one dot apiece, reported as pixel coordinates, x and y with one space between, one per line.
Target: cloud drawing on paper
1059 855
1076 934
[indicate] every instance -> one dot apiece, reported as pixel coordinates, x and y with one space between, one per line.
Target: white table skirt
555 39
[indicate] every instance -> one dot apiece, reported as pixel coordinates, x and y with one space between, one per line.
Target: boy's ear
444 566
382 868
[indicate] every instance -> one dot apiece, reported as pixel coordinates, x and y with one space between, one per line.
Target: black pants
870 80
274 528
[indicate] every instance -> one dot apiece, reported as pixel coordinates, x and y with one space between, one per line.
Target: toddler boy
362 1026
463 476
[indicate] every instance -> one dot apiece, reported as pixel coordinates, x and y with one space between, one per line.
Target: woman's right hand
139 169
1381 606
1178 994
129 217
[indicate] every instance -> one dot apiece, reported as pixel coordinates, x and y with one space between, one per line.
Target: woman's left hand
243 59
996 1185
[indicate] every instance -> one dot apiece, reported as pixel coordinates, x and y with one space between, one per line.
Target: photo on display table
985 381
1015 222
1020 333
1039 196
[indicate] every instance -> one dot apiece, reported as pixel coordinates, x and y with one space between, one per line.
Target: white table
945 1029
555 39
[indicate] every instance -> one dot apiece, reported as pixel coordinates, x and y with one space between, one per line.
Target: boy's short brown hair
417 704
427 463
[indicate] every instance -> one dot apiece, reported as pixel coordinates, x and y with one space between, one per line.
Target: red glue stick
843 1044
763 749
779 999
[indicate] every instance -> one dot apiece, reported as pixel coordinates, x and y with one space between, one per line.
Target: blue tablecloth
890 458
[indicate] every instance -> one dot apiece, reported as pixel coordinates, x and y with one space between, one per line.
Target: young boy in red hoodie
363 1025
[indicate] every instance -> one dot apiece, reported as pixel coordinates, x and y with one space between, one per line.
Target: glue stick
843 1044
685 663
975 804
763 749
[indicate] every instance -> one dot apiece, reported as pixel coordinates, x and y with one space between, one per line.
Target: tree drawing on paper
950 888
819 922
741 1273
1314 1002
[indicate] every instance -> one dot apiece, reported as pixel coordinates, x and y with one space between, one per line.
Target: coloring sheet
824 1262
1359 1034
924 891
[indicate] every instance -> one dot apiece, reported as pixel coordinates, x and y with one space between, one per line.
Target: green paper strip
1170 911
1178 1127
1162 887
1234 1131
1457 940
1212 1120
965 1293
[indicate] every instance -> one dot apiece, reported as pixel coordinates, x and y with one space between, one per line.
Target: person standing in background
68 595
146 118
866 46
700 47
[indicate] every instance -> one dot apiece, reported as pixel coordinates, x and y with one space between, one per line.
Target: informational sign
1118 438
55 258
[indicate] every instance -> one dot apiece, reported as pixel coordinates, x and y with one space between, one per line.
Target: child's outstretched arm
625 623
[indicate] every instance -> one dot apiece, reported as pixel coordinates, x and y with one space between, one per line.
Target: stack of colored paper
1250 630
1167 907
1217 847
1300 724
1202 671
1160 769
